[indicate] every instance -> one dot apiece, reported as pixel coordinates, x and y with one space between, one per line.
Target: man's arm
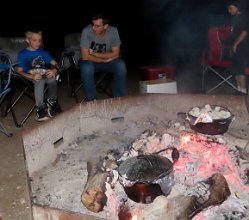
239 39
88 54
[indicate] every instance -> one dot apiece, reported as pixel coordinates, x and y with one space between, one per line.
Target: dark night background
152 31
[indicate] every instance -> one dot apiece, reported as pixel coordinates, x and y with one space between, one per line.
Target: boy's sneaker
53 107
41 114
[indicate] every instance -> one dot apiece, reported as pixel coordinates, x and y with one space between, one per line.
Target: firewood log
210 192
93 196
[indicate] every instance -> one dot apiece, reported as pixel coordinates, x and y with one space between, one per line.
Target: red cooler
158 72
247 70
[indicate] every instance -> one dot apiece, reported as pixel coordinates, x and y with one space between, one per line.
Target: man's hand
91 52
110 59
234 48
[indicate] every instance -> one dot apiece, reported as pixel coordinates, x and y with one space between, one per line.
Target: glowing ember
185 139
201 158
134 217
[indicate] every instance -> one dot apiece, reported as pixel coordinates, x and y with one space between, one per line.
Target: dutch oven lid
145 168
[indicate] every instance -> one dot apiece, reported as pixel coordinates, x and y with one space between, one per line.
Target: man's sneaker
41 114
53 107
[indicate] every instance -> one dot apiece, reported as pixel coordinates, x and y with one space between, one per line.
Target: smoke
179 28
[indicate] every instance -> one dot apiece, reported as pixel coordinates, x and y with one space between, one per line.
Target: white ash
61 184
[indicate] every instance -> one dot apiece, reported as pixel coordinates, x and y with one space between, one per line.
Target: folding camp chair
5 78
20 87
216 60
70 63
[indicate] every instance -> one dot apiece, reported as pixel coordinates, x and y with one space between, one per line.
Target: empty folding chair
216 60
5 78
69 65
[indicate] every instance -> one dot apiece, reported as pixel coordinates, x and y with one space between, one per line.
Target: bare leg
237 81
241 81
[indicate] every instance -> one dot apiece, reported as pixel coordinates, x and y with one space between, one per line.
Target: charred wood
210 192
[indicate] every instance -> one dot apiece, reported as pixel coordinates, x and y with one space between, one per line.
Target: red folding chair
217 60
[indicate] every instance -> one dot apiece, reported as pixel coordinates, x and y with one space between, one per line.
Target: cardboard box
158 86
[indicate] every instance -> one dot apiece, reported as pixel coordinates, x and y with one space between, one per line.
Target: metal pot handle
175 154
186 117
182 114
142 156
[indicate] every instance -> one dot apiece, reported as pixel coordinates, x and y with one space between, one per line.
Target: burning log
210 192
93 196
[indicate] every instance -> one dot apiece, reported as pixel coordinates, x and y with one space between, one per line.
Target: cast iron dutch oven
140 176
216 127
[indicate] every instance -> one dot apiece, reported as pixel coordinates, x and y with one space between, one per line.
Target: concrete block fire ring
43 144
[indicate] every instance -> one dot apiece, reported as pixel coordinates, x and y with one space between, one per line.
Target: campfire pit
57 152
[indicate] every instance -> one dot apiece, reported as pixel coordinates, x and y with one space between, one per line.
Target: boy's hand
37 74
37 77
51 73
